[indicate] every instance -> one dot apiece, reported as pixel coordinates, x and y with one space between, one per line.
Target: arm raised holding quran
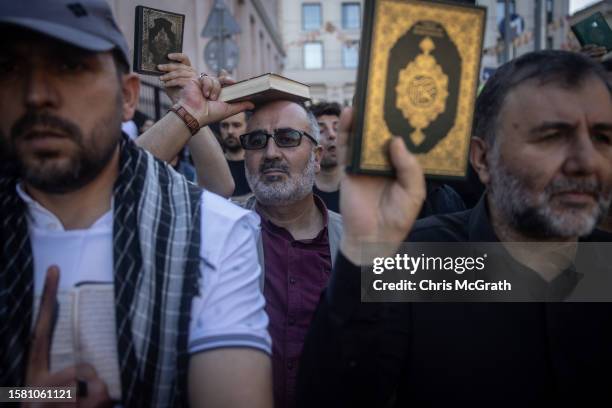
378 209
197 96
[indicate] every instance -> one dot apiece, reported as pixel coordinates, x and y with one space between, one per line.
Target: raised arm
231 377
209 161
378 209
344 362
165 138
229 343
169 135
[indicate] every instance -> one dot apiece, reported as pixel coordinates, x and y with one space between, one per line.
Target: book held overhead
418 74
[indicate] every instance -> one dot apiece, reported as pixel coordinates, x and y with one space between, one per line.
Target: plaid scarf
156 241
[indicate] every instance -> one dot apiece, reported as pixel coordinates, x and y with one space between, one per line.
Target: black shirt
239 176
440 199
331 199
453 354
469 189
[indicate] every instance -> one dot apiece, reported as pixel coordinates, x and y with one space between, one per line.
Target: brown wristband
192 123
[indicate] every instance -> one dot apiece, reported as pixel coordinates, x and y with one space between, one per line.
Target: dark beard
233 148
8 164
328 163
83 166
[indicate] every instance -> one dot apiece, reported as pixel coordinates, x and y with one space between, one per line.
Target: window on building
351 15
350 54
550 8
311 16
313 55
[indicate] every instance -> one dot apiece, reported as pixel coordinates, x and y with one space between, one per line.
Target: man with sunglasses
299 236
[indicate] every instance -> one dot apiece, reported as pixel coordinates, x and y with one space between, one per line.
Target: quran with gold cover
418 75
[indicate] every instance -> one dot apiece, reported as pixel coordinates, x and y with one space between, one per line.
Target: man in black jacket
543 149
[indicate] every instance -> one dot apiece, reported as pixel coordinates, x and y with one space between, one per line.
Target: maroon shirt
296 272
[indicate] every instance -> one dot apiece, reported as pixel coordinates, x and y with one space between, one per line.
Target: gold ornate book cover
418 75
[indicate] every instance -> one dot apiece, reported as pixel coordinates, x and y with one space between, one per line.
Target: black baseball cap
86 24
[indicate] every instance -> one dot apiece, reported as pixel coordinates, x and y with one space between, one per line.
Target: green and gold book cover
418 75
594 30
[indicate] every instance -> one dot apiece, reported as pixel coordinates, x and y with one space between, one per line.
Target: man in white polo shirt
149 286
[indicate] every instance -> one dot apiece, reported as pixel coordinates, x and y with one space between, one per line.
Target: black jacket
453 354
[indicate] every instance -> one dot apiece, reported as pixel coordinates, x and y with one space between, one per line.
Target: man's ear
479 152
130 84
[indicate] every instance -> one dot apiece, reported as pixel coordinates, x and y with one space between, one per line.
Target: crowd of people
235 258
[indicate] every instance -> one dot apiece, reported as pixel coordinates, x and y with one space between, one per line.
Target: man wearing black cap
147 287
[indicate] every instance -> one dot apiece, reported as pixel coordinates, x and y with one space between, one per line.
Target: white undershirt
230 309
130 129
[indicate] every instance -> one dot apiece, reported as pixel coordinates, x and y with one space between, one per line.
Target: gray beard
288 192
532 214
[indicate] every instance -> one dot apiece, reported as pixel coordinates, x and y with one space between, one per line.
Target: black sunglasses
285 137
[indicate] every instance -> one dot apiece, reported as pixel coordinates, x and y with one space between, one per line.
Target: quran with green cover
594 30
418 75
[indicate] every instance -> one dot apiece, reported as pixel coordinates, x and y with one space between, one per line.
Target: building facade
534 25
259 42
317 42
321 40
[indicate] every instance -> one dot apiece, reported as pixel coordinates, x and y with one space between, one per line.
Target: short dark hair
566 68
247 115
325 108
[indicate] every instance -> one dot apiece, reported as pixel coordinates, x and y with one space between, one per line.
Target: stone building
259 44
321 40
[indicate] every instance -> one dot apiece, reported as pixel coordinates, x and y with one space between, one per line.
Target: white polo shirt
230 309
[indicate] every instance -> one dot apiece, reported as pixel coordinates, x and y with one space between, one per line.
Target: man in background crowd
327 182
230 130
